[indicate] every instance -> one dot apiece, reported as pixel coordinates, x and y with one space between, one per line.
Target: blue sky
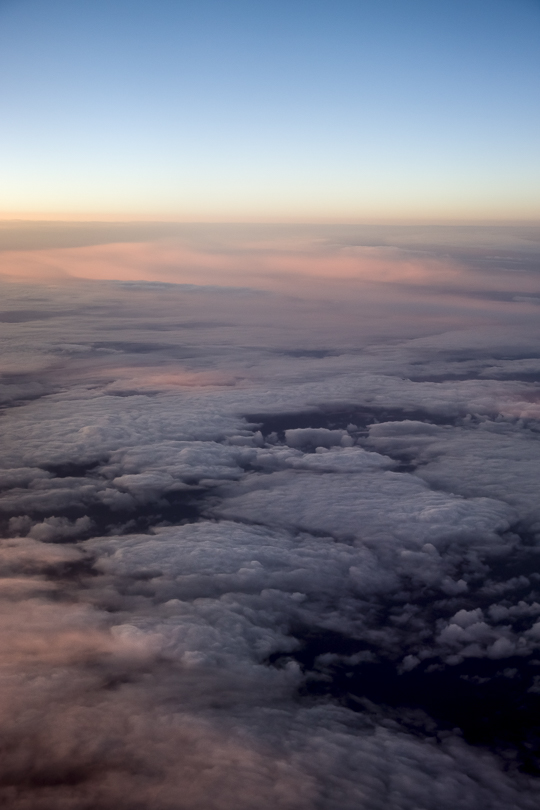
395 109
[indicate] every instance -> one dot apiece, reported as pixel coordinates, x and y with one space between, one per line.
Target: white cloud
199 660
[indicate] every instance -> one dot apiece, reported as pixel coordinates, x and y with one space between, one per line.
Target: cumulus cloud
272 541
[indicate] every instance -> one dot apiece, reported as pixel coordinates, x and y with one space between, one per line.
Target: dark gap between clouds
339 419
170 509
487 700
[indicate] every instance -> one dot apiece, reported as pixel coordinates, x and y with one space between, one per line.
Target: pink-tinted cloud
247 264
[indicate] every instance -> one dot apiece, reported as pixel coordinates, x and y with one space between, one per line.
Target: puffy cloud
381 508
498 459
270 547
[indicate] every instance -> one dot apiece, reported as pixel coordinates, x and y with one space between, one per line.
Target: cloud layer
263 549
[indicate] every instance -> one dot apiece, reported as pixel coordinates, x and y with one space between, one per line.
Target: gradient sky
242 110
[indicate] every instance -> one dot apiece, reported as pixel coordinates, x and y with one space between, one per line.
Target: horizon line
40 219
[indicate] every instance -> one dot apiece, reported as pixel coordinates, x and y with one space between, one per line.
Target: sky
396 110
